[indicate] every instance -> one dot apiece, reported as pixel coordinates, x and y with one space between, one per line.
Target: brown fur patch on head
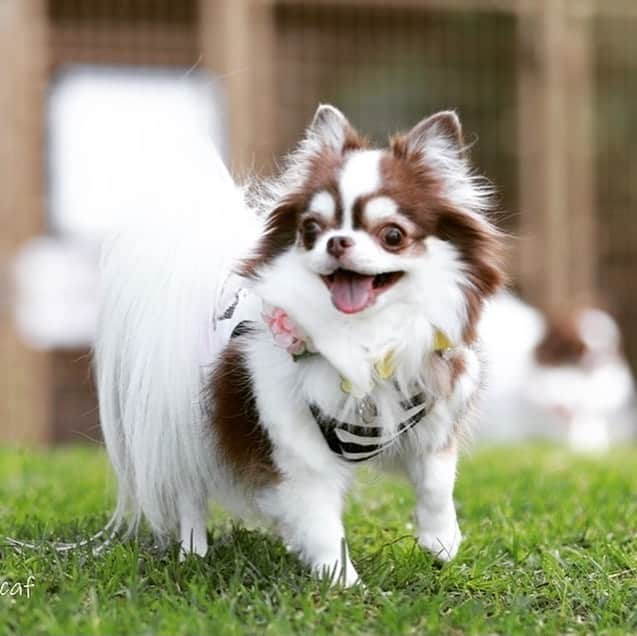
282 226
562 343
242 441
419 192
280 234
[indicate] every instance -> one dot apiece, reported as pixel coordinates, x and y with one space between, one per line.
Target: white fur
162 279
166 284
379 208
433 476
360 176
323 205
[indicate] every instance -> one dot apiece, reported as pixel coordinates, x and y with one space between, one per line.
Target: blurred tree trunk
555 115
238 46
24 374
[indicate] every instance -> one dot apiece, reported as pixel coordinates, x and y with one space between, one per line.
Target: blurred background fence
546 90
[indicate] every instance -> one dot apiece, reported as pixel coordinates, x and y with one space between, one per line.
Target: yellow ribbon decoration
385 367
441 342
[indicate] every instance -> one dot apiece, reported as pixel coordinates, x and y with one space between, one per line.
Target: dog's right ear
329 128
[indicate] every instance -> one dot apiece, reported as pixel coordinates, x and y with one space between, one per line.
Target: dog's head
369 248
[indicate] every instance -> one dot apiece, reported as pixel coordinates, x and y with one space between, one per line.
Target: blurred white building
122 143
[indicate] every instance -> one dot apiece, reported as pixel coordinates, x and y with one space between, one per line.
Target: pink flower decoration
286 334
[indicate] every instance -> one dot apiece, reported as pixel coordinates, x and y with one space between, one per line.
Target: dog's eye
392 236
310 229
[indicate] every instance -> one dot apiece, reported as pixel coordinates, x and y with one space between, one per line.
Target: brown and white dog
559 375
255 352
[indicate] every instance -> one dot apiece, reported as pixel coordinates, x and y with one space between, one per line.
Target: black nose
338 245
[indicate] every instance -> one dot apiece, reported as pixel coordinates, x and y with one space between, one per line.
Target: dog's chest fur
260 401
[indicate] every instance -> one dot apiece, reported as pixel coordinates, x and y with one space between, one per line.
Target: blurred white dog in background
562 377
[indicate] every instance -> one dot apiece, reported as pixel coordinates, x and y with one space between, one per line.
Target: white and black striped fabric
357 442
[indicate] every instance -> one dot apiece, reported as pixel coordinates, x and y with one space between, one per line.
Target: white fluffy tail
162 279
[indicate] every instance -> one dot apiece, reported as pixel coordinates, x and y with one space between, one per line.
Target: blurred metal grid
615 126
386 68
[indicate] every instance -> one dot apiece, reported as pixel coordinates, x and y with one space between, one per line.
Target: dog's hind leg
192 529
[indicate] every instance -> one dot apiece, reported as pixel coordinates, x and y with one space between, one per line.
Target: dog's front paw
443 542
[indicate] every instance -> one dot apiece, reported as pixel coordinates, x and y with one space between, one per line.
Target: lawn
550 547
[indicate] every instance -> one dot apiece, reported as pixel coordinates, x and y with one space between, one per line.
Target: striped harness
355 442
360 442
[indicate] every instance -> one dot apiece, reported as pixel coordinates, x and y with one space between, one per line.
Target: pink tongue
351 292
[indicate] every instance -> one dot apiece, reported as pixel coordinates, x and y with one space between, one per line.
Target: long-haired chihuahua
255 352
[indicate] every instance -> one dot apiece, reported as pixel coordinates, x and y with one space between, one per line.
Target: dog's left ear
329 127
441 132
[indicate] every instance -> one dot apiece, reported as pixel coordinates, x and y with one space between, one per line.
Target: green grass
550 547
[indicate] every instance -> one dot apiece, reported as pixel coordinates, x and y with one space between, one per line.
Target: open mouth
352 292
